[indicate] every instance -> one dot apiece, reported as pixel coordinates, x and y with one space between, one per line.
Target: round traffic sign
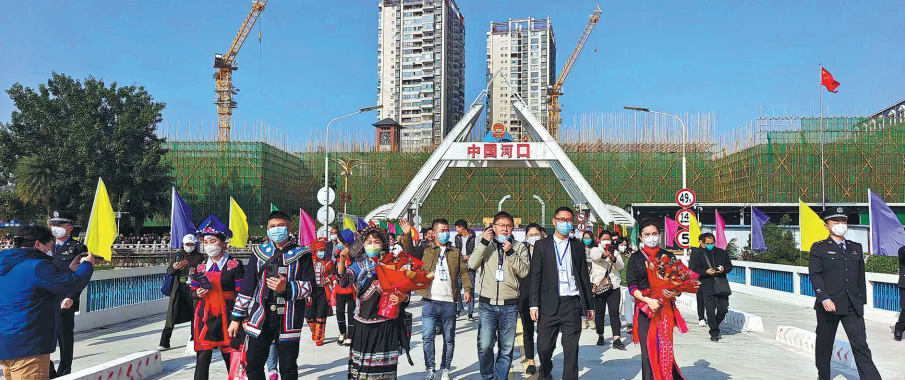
683 238
417 220
326 214
685 198
326 195
683 217
323 231
581 217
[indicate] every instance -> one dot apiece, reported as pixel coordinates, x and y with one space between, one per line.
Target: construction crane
225 65
555 90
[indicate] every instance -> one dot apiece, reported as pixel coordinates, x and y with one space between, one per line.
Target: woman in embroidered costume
655 277
322 291
214 285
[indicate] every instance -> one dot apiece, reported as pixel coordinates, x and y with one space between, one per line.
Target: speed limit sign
683 238
685 198
683 217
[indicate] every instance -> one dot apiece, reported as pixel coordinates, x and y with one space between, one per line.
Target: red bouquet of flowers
670 274
399 275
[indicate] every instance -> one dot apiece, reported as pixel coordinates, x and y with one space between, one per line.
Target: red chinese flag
827 80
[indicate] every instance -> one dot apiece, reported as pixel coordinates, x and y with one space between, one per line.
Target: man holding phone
712 263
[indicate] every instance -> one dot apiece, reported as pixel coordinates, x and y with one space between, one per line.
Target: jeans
496 324
467 306
273 358
434 313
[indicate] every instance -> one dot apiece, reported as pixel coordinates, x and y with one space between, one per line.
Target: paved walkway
737 356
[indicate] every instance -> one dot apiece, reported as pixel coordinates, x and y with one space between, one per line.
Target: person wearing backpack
712 264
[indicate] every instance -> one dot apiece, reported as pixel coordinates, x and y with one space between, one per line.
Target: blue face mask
443 237
563 227
587 241
321 254
502 238
339 246
278 234
709 246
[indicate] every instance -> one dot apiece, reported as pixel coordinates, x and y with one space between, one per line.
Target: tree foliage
65 134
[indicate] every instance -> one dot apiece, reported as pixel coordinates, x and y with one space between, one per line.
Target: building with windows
523 52
421 69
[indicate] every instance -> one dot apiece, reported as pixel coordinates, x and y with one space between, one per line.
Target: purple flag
886 232
180 221
361 224
758 219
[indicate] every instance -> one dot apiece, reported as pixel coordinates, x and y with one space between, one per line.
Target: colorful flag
238 223
758 220
415 235
273 208
887 234
361 224
101 231
348 237
826 79
348 223
720 234
670 232
391 228
383 224
634 242
180 220
811 226
307 229
694 229
624 230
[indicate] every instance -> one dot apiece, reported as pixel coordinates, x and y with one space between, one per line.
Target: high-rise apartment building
421 69
524 53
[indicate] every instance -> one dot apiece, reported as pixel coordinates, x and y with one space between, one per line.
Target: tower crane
555 90
225 65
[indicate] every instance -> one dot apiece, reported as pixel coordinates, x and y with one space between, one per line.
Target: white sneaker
444 374
429 375
162 348
702 323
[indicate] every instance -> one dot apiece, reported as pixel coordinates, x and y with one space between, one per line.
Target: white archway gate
542 152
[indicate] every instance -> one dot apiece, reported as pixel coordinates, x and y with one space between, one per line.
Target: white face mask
57 231
605 243
839 229
622 248
532 239
212 250
651 241
188 248
332 236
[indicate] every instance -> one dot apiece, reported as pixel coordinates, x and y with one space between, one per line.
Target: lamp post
499 206
327 137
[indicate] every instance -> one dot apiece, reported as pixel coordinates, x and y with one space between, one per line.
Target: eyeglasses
504 226
563 219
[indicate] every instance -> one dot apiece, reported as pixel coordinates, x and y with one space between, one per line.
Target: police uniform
63 255
836 270
900 325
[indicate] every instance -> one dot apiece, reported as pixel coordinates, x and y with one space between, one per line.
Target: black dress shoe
617 344
601 341
897 336
530 370
714 339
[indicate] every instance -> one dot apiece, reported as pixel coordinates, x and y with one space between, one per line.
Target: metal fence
737 275
772 279
886 296
124 291
806 287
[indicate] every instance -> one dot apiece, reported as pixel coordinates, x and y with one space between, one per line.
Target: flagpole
822 160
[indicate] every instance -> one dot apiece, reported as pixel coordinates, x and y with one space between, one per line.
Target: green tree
12 208
73 132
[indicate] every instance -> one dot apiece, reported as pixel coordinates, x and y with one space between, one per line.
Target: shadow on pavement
702 370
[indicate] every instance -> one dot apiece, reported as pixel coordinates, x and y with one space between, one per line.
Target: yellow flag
812 227
238 224
101 230
694 231
348 223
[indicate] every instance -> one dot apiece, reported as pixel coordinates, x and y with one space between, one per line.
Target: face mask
564 228
212 250
443 237
188 248
532 239
43 248
622 248
502 238
339 246
651 241
321 254
58 232
839 229
278 234
332 236
372 250
709 246
587 241
604 243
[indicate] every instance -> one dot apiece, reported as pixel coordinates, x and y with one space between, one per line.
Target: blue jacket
32 288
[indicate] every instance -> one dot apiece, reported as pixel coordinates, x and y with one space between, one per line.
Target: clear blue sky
318 58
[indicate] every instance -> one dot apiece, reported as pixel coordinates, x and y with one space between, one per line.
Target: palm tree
36 181
346 165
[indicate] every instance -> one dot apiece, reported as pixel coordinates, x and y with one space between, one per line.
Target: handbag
237 365
167 287
720 284
601 287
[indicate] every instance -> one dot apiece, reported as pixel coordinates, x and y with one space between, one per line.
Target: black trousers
608 300
716 308
345 312
203 363
524 312
258 350
699 298
65 339
900 325
319 305
568 321
647 373
827 324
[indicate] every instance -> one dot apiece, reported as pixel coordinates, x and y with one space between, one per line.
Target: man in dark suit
900 325
560 294
66 253
711 263
836 269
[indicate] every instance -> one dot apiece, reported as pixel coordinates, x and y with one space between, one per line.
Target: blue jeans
434 313
272 359
496 324
467 306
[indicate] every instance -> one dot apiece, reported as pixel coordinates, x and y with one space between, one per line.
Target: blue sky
318 59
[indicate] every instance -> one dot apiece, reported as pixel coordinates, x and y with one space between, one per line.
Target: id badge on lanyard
500 274
563 274
442 273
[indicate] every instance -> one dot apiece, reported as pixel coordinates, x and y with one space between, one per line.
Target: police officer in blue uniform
836 270
66 253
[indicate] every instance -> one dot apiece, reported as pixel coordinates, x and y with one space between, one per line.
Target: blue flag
758 220
180 221
361 224
887 234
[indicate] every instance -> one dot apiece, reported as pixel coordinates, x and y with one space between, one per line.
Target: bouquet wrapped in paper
399 275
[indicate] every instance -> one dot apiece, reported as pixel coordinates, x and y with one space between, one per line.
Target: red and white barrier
137 366
805 341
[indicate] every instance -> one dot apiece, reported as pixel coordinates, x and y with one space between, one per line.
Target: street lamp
327 136
684 161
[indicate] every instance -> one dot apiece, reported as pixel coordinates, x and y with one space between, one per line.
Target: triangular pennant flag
349 224
887 235
101 231
694 231
391 228
720 234
238 223
273 208
180 220
758 220
811 226
670 231
361 224
307 229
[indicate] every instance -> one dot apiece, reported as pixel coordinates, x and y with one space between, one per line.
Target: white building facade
421 69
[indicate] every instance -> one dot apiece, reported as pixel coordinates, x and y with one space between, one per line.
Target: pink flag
307 231
392 228
671 228
720 231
